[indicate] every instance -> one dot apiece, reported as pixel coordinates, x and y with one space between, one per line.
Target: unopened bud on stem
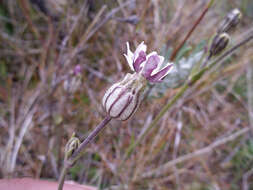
219 43
230 21
71 146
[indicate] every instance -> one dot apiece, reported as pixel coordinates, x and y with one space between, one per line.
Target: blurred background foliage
41 43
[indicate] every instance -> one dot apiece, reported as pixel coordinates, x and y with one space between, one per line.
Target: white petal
141 47
129 52
129 57
152 53
129 61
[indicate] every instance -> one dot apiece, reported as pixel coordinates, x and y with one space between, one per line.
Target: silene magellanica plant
122 99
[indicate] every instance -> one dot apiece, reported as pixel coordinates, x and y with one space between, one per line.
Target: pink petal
129 57
140 59
150 65
159 76
158 68
141 47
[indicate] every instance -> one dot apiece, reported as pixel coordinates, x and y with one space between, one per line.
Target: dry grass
203 142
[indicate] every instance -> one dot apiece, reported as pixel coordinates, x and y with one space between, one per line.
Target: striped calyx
122 99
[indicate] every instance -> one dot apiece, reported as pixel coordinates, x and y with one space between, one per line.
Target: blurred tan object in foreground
36 184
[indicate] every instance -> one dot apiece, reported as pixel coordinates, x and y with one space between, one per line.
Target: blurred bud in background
219 43
230 21
74 81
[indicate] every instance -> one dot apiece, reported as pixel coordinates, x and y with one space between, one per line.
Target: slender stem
191 82
80 150
76 155
206 61
174 53
62 177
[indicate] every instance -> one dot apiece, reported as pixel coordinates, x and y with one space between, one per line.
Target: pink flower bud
122 99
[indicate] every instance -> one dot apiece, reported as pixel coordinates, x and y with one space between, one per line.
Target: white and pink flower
149 66
122 99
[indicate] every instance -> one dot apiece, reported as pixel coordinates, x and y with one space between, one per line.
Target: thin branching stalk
182 90
174 53
80 150
62 177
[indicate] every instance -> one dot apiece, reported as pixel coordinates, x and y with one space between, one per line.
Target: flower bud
230 21
72 84
122 99
74 81
71 146
219 43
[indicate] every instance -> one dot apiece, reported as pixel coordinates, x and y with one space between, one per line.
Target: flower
77 70
122 99
149 66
